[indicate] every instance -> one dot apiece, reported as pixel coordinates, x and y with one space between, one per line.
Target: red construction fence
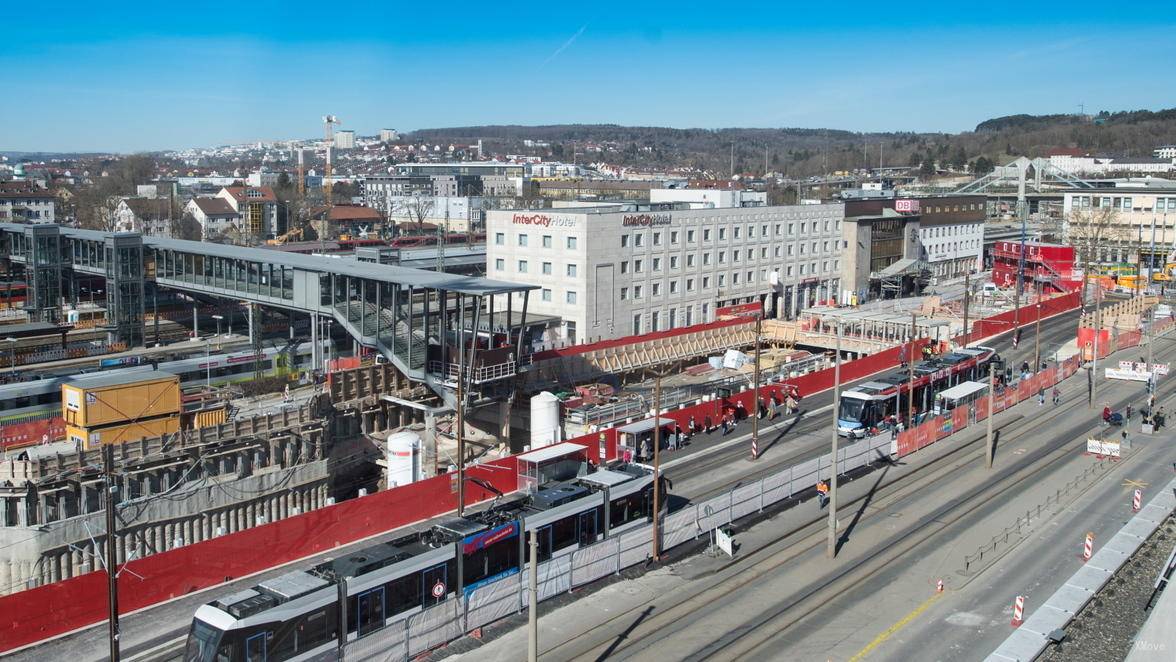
940 427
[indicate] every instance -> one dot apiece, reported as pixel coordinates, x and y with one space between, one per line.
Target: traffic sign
439 589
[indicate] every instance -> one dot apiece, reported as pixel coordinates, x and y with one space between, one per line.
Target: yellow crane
329 122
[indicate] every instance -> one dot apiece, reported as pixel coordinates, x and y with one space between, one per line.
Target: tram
306 614
866 406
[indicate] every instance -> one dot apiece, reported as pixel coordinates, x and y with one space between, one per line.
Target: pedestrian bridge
421 321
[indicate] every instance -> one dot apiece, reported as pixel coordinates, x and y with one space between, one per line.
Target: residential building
710 198
23 201
263 178
215 215
615 270
1134 224
150 216
257 207
1075 162
482 168
502 186
1165 152
460 213
345 139
389 135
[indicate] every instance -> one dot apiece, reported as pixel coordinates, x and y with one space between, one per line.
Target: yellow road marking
890 632
1135 483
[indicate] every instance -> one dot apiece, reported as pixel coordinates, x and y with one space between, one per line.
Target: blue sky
165 75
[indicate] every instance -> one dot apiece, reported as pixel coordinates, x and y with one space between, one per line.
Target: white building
389 135
953 247
1137 220
1165 152
215 215
263 178
21 204
1104 165
617 270
345 139
709 198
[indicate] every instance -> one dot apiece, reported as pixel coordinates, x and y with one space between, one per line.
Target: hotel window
625 267
572 243
722 257
571 297
546 294
736 233
673 261
690 260
572 271
777 229
657 239
499 238
656 291
735 255
750 254
546 268
673 287
751 232
764 231
522 266
705 259
825 246
764 253
791 227
653 320
674 237
637 325
776 251
690 236
638 239
673 317
624 241
499 264
801 269
522 240
657 264
751 277
689 284
705 282
706 234
790 270
624 293
722 280
638 266
637 292
826 226
547 241
801 249
790 249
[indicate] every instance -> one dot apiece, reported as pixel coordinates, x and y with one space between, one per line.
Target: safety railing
478 375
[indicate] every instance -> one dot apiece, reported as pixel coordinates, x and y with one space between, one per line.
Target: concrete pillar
504 422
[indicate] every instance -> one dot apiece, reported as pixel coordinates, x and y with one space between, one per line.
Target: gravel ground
1106 628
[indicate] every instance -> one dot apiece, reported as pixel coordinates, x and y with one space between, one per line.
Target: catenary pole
991 413
967 293
831 543
533 599
111 559
756 390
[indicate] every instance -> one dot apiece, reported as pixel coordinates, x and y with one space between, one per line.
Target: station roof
379 272
552 452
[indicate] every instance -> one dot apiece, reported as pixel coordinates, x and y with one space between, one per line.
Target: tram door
429 580
371 611
587 528
255 648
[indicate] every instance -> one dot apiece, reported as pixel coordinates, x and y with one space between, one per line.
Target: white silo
404 458
544 420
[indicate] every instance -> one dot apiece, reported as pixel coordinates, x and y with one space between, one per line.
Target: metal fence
490 602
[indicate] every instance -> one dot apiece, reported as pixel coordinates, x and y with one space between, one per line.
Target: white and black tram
308 613
868 405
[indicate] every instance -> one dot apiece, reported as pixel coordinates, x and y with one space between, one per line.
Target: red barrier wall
42 612
1026 315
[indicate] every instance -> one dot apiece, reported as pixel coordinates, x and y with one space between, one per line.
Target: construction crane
329 122
301 173
280 240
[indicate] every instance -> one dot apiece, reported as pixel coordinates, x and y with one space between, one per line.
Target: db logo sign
439 589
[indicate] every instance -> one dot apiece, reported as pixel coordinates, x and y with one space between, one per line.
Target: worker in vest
823 492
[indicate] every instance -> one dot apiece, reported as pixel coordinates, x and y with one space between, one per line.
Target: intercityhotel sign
544 220
645 220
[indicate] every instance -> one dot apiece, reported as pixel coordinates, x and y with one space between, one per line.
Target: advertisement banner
959 419
1103 447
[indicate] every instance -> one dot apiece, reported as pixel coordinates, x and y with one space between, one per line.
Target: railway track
752 640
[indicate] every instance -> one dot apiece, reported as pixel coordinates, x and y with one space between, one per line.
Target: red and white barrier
1088 547
1137 500
1019 611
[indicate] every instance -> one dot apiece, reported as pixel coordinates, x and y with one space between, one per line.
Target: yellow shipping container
92 438
209 418
104 399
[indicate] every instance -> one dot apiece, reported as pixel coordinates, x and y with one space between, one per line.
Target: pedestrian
691 427
1160 415
1057 396
1128 419
1041 397
791 405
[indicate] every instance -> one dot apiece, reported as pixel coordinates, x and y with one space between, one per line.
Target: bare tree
1090 229
415 209
185 227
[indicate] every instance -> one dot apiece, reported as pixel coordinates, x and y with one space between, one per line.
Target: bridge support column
504 407
316 346
43 272
124 289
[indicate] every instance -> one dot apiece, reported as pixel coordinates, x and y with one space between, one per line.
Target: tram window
404 593
255 647
429 579
499 557
315 630
542 544
563 534
589 527
628 509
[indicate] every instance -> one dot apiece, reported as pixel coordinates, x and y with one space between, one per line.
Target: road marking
890 632
1135 483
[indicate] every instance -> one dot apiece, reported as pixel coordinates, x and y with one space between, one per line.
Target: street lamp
218 319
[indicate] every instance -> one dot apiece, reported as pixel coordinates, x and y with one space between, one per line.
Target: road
707 466
781 598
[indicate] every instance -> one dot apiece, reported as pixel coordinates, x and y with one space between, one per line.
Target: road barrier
1018 611
1088 547
1136 501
